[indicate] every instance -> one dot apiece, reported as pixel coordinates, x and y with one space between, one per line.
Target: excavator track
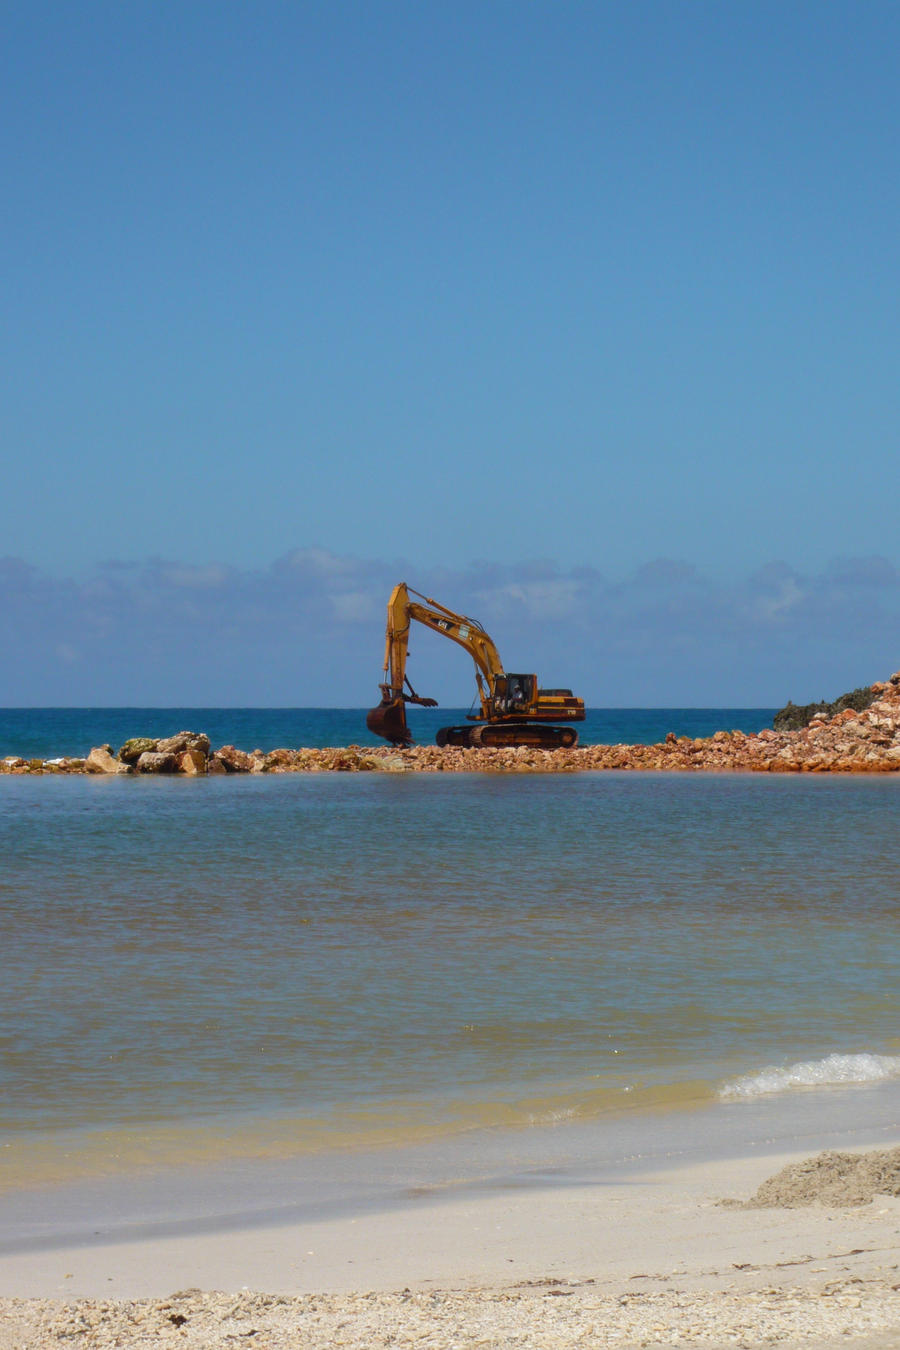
510 734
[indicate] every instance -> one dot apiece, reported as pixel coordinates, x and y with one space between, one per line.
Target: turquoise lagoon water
269 966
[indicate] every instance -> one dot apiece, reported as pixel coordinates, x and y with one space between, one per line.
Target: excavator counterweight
514 710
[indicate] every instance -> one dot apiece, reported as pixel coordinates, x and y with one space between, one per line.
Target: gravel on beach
547 1315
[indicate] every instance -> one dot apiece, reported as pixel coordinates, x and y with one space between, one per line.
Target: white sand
641 1260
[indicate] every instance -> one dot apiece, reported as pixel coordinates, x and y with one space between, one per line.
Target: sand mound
837 1180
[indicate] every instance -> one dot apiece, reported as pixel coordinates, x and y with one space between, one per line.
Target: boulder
192 762
102 760
151 761
342 761
184 740
280 761
139 745
394 764
233 760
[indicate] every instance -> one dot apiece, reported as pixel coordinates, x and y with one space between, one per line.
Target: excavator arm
514 711
389 718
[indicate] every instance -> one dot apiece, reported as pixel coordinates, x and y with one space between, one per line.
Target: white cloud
356 606
318 562
781 601
192 577
310 629
534 599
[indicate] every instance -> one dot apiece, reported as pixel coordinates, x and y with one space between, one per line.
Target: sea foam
832 1071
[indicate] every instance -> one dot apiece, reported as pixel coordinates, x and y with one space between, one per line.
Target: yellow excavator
514 711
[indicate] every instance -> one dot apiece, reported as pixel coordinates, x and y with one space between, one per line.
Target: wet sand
642 1258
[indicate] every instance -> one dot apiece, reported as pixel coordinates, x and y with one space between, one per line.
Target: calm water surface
302 961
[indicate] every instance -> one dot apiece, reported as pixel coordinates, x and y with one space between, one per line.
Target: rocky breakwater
850 741
190 753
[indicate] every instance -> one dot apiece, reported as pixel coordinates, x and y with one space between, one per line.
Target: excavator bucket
389 720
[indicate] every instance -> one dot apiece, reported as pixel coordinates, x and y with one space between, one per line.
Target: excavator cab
515 695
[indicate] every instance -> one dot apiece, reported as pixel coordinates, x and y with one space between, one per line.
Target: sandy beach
648 1258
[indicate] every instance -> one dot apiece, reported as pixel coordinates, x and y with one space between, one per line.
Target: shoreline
848 742
197 1200
628 1260
601 1233
259 1163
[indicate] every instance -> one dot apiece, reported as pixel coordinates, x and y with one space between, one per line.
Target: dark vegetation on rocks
793 716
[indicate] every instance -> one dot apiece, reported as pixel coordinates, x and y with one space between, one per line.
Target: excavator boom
514 711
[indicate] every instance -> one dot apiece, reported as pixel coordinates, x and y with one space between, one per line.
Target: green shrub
793 716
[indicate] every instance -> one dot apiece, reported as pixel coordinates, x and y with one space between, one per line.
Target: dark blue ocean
48 732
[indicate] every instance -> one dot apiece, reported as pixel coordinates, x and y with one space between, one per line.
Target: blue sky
571 287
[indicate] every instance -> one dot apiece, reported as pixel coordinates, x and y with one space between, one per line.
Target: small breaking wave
832 1071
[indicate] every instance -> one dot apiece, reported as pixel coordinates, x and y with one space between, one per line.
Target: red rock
232 759
280 761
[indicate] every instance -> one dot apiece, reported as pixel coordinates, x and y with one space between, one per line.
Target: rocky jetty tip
850 741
